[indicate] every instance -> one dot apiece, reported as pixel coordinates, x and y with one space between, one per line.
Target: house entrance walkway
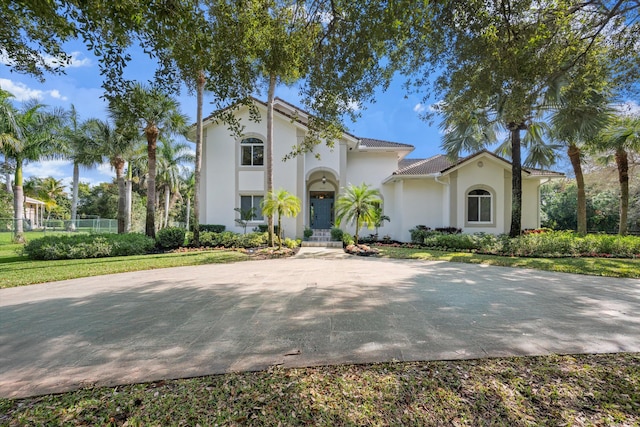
301 311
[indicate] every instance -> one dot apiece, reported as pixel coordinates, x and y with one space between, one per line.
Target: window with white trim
252 152
253 201
479 207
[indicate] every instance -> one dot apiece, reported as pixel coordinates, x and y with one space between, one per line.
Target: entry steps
321 238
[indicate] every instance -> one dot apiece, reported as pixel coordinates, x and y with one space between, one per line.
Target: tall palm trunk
622 161
118 165
7 177
127 201
74 196
270 97
18 204
167 197
151 132
196 195
574 156
188 213
516 178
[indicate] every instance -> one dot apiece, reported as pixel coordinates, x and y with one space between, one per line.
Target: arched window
479 206
252 152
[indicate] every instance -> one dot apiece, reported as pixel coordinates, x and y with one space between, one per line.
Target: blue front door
321 212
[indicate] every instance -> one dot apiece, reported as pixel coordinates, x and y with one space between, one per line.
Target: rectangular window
472 215
248 202
252 152
485 209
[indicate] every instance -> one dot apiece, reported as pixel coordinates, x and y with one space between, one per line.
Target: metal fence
93 225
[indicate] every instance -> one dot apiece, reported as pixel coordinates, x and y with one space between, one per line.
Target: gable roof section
441 164
428 166
378 143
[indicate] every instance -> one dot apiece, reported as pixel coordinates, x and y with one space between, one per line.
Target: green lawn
609 267
583 390
18 270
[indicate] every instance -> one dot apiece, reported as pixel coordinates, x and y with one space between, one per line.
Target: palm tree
171 157
115 146
49 190
156 114
357 205
280 202
36 136
576 124
379 218
7 134
623 135
81 149
189 188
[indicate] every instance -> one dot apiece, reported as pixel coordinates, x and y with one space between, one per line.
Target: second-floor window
252 152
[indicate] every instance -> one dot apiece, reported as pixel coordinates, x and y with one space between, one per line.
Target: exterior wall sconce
324 179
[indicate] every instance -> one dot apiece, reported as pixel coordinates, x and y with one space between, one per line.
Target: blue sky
393 117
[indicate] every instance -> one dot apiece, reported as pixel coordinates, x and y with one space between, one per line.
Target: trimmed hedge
229 239
170 238
213 228
544 244
79 246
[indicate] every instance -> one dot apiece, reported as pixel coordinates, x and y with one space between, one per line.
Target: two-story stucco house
473 193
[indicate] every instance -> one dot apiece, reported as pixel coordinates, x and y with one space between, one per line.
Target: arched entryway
322 192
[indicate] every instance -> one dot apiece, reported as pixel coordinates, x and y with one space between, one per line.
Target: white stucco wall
530 203
423 200
491 177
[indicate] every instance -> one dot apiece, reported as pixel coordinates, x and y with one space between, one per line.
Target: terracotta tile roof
378 143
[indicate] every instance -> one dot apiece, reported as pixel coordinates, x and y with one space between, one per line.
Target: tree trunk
151 132
74 196
167 197
7 177
18 205
516 179
128 186
199 136
118 165
269 149
622 161
574 157
188 213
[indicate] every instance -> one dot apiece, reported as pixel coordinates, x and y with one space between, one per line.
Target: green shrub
307 233
170 238
131 244
214 228
253 240
336 234
451 241
78 246
290 243
419 233
347 239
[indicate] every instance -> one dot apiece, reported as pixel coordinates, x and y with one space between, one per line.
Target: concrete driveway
302 311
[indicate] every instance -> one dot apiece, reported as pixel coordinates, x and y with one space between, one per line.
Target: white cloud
19 90
106 170
631 108
22 92
419 108
56 168
76 60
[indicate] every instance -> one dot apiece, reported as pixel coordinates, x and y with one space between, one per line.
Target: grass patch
549 390
18 270
609 267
